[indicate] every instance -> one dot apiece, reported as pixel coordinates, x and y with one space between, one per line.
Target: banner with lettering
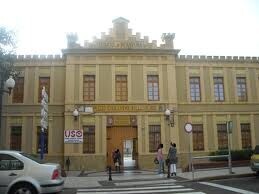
73 136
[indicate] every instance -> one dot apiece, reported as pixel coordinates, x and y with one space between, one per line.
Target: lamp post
229 131
10 83
169 116
75 114
76 118
188 130
44 120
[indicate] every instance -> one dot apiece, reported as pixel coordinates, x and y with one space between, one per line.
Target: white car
21 173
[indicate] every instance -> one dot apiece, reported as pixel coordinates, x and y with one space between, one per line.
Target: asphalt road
246 183
225 186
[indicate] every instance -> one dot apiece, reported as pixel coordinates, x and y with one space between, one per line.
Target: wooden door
115 138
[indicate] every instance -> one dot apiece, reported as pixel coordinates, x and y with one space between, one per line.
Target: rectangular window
241 89
89 88
246 135
218 89
222 136
197 137
16 138
89 140
195 91
153 87
154 137
46 135
44 81
121 88
18 90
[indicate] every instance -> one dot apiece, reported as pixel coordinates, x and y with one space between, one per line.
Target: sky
201 27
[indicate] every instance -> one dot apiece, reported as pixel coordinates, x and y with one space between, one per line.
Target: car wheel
23 188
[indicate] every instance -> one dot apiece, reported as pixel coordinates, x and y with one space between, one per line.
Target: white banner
73 136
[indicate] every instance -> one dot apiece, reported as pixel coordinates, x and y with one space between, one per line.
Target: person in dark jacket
172 156
117 159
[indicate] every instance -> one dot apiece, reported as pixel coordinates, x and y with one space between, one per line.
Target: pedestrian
113 156
172 156
160 159
117 159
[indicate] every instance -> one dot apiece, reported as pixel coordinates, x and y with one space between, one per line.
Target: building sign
129 108
121 120
73 136
121 44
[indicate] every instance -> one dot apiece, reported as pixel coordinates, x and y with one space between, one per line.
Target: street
246 185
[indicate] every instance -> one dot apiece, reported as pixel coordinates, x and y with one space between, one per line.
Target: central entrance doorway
123 138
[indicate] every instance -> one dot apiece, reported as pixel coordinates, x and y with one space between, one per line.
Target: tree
7 47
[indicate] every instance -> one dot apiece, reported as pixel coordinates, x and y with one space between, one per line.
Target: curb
223 177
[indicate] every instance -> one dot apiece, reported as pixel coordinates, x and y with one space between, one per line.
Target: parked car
23 173
255 160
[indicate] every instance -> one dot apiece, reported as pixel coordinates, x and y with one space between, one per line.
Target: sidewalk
76 179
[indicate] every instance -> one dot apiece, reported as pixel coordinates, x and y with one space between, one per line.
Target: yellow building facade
127 83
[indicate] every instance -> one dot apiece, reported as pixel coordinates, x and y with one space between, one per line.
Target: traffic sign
188 127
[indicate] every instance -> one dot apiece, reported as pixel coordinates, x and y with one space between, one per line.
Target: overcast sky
201 27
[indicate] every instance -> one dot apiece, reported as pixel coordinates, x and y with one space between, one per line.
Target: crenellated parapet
72 39
38 57
217 58
168 38
121 37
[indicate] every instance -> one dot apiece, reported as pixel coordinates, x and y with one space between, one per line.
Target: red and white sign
73 136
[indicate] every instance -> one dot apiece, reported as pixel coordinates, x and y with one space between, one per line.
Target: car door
10 169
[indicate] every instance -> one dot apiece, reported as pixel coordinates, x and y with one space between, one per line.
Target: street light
229 131
169 117
10 83
75 114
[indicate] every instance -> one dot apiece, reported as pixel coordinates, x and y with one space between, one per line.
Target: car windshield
256 149
33 158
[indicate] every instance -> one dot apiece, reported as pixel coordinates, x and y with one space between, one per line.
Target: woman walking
160 159
172 156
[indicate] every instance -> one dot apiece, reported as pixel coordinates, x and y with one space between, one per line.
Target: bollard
67 163
110 173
